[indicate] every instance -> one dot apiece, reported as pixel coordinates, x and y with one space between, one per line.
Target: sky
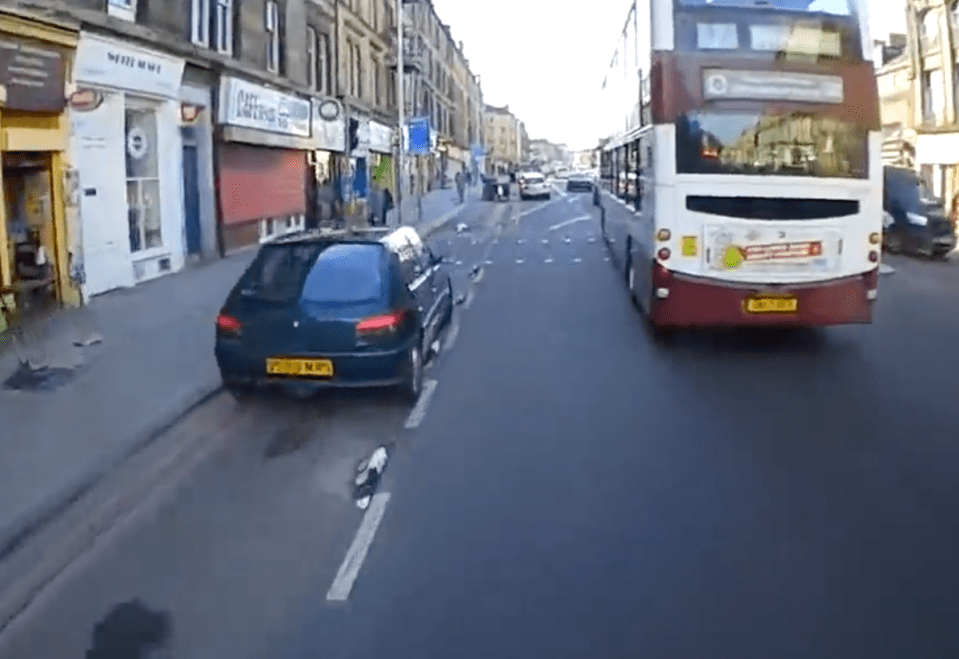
547 60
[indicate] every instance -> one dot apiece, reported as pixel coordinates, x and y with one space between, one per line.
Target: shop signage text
33 76
381 138
124 66
252 106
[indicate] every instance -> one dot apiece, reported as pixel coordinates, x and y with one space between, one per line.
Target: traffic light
354 134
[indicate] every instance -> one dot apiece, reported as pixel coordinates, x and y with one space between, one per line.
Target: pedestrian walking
387 203
459 185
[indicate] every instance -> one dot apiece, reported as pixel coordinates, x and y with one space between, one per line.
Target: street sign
418 136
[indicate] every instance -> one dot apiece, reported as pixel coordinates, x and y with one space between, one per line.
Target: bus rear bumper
681 300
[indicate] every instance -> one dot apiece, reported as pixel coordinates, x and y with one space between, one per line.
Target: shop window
143 179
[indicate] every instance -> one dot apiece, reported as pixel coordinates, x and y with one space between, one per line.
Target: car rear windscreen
278 272
346 273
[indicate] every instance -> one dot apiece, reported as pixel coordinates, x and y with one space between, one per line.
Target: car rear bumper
350 370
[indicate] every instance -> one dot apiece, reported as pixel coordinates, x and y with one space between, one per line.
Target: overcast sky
547 60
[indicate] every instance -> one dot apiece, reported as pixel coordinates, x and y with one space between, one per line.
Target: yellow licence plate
307 367
772 305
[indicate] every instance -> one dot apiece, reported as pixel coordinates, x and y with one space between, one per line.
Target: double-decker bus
740 169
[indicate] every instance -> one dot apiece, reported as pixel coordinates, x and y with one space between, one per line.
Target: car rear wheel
413 384
239 389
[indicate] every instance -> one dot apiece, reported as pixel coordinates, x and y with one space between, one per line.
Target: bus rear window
758 143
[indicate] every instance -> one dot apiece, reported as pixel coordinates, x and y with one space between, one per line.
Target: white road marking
451 337
419 410
886 269
469 299
548 261
519 260
577 260
487 262
353 561
582 218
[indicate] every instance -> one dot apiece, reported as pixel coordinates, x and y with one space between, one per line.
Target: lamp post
401 112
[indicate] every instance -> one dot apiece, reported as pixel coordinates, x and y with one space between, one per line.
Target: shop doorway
31 233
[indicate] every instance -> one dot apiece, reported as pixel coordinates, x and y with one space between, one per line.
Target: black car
346 310
579 182
914 220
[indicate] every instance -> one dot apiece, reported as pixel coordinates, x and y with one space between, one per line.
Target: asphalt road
569 488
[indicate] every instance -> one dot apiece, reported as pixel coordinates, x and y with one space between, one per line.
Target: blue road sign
419 135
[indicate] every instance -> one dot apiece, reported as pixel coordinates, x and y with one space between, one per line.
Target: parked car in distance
534 185
914 220
334 309
580 182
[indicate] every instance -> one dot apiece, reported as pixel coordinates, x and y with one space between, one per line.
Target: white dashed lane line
350 568
419 410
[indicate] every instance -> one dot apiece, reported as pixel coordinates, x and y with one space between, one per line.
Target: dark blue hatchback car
347 310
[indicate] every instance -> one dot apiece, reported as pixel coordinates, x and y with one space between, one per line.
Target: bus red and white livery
741 176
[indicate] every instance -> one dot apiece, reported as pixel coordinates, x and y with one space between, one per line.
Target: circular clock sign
329 110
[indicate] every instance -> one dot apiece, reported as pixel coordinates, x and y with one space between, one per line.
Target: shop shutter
259 182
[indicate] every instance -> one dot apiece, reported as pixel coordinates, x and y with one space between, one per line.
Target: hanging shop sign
248 105
329 125
85 100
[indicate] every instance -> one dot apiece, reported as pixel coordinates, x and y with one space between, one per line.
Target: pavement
565 486
151 362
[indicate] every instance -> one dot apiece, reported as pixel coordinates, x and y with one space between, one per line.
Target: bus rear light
663 234
663 254
662 293
874 238
871 294
874 256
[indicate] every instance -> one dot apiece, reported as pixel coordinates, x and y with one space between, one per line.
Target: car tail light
874 256
874 238
228 324
663 254
387 322
663 234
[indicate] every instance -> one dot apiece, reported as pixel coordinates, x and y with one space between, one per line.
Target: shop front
356 185
382 188
937 156
125 116
263 148
35 257
328 160
196 133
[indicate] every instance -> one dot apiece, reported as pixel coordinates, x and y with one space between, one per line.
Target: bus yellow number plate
772 305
